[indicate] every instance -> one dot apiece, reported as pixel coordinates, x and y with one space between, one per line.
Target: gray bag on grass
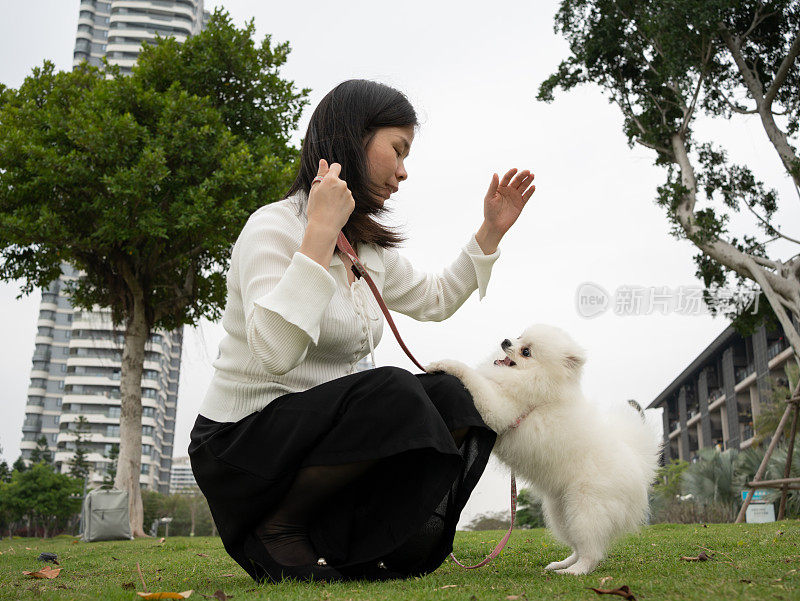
105 515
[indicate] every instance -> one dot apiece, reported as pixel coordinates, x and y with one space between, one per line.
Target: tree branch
178 258
688 114
732 106
766 262
656 147
776 136
758 275
756 21
783 72
716 248
766 223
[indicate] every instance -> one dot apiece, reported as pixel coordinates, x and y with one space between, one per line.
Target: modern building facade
715 400
76 372
182 478
117 28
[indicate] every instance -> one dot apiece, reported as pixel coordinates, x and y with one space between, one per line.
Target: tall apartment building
182 478
117 28
715 400
77 362
76 372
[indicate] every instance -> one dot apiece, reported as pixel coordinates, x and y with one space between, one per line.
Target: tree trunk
192 513
129 464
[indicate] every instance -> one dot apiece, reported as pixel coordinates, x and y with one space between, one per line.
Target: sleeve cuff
482 264
302 295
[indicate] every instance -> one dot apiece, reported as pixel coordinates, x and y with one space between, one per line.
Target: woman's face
386 151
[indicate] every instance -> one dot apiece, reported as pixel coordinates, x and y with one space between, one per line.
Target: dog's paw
564 563
449 366
579 569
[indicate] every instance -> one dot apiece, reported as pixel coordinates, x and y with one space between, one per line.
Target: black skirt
403 511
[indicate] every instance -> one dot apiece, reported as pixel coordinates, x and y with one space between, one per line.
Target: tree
529 510
668 478
19 465
662 63
5 471
111 468
494 520
142 183
41 453
711 480
42 495
79 466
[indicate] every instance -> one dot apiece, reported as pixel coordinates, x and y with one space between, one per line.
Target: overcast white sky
472 70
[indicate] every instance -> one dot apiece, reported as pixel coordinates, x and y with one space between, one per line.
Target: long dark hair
349 113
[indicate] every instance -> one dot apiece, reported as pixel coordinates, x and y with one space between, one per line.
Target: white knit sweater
292 325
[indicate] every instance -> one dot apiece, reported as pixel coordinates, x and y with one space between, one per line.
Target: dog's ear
574 360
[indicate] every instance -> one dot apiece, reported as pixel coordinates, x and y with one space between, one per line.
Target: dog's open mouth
506 361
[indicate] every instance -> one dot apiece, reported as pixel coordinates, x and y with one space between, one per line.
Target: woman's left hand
505 200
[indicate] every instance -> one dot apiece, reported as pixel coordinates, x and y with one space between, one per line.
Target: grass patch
754 561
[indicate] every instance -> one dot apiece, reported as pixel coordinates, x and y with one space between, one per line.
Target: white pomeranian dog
591 468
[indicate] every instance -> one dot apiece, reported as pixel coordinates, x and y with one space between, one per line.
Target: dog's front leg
495 410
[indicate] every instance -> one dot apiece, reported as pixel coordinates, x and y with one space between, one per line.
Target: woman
313 470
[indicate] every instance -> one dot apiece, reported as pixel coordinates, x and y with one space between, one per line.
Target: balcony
742 372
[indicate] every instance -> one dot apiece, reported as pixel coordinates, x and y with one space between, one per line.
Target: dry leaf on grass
447 586
605 579
622 591
701 557
201 554
183 595
515 597
219 595
45 572
226 575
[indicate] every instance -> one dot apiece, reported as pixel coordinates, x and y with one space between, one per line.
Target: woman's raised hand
330 202
506 198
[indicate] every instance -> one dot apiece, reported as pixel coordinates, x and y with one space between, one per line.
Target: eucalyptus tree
663 63
142 183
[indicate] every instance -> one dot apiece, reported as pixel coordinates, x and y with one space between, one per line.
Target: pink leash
358 269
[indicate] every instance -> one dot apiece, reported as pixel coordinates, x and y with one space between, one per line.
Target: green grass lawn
753 561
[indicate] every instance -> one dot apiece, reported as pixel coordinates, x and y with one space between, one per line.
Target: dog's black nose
505 344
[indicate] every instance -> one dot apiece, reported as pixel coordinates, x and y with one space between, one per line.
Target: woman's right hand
330 202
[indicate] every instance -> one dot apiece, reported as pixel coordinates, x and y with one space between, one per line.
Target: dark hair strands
340 129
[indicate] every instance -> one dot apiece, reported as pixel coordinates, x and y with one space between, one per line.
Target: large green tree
663 63
143 183
40 495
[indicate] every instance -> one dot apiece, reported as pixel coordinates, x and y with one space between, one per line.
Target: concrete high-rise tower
78 355
117 28
76 372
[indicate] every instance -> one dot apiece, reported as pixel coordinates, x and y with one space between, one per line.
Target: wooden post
763 467
787 470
